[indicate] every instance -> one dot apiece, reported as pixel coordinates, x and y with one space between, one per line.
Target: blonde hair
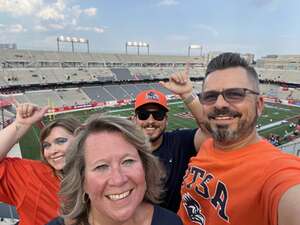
74 205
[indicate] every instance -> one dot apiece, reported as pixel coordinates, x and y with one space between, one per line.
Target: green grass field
274 112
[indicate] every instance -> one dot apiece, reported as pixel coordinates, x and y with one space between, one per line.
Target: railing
293 148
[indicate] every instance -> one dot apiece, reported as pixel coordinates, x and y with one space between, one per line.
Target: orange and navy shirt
241 186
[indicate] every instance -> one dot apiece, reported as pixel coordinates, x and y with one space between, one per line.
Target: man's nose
221 101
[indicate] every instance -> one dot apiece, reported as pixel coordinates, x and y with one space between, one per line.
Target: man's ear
133 118
167 121
260 105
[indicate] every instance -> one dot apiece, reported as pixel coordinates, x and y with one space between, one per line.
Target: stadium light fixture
138 45
195 47
72 40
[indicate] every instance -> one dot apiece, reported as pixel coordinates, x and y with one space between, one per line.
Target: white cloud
56 26
75 11
90 11
47 27
14 28
50 13
207 28
20 7
60 5
40 28
95 29
167 3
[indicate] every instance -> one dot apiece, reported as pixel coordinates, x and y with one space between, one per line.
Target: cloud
270 5
167 3
47 27
94 29
14 28
90 11
20 7
56 26
207 28
50 13
40 28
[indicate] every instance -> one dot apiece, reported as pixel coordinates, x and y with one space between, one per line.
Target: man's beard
223 134
154 139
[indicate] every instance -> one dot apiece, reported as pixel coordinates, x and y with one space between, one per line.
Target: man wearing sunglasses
237 177
174 148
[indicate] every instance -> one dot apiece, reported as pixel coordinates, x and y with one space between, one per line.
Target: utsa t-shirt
238 187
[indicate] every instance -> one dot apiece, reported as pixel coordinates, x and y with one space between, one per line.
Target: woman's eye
61 140
45 145
128 161
102 167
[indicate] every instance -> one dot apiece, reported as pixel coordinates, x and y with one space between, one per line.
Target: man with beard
173 148
237 177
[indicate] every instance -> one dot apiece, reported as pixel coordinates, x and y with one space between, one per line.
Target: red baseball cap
151 96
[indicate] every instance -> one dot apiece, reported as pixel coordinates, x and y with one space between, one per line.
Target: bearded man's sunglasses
144 114
231 95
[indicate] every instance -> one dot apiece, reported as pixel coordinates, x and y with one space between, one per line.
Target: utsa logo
193 209
198 181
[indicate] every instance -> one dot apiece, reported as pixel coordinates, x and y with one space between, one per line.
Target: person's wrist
188 98
19 125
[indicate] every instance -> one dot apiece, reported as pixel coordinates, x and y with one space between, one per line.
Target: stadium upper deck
101 77
28 58
28 67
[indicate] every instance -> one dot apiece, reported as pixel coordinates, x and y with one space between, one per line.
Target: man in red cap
174 148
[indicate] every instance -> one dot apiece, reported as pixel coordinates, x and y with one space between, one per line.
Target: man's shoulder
181 131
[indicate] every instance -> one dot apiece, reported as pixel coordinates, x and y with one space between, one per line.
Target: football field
276 119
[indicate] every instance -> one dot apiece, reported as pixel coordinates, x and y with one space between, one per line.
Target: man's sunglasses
143 114
231 95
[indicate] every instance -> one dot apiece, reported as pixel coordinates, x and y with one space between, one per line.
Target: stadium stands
38 75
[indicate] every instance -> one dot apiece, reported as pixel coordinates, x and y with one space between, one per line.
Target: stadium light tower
136 44
195 47
72 40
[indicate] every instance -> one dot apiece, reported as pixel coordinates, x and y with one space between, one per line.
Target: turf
178 118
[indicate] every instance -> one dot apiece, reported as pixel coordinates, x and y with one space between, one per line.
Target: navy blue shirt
175 152
161 216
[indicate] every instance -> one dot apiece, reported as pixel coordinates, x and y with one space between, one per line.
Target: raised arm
27 115
180 84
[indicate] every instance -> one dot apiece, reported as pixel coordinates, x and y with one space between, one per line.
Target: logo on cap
152 96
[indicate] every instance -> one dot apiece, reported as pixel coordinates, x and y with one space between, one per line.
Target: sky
261 27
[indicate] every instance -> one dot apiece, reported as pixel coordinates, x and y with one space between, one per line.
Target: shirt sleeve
187 138
282 174
13 175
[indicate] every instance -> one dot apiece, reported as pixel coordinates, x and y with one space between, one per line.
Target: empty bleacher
117 91
131 89
98 93
73 96
44 98
122 74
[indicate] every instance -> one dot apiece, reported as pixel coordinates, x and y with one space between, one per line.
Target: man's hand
179 83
